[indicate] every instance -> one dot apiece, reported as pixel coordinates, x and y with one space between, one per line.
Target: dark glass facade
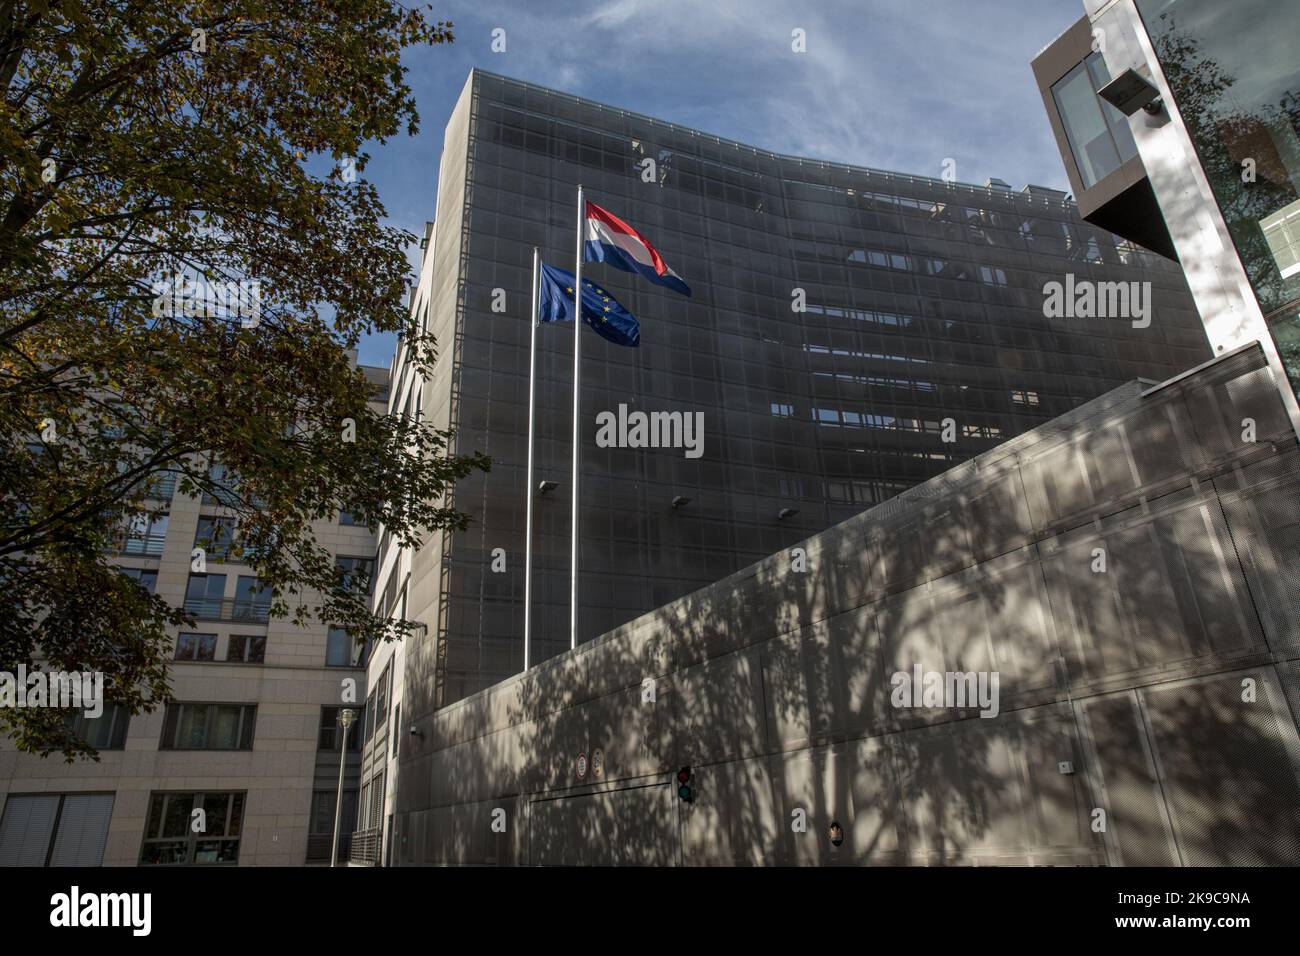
1235 75
924 301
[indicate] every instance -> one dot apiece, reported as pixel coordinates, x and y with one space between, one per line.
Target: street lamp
345 721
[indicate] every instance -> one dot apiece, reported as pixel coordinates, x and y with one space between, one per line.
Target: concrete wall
1167 682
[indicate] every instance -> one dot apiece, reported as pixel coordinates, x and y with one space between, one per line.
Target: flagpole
528 482
577 376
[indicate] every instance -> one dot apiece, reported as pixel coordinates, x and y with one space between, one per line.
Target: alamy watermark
626 429
76 690
199 298
919 688
1086 299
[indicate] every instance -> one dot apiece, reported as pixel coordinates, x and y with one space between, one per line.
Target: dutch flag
612 241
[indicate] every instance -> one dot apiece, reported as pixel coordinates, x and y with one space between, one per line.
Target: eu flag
599 309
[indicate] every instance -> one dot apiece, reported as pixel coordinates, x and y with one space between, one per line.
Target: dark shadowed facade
840 315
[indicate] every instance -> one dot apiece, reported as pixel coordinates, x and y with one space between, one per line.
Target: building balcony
147 545
367 847
236 610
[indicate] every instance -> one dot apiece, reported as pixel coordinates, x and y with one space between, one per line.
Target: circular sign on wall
597 762
582 766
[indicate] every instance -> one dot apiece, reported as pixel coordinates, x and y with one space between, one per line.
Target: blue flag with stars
599 309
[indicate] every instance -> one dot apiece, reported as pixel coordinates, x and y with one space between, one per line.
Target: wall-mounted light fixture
787 513
544 486
681 500
1130 92
836 833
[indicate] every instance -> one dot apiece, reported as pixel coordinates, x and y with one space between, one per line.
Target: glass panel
338 649
193 730
215 807
176 814
1235 76
1085 126
225 729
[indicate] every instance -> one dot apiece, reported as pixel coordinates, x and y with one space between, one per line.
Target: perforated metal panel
1226 750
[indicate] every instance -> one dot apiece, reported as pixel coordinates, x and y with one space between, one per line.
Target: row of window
195 827
215 726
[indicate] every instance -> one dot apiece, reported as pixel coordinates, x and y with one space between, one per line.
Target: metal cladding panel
1235 394
851 784
875 822
838 572
797 787
1019 619
1265 520
963 790
1162 443
1060 805
858 680
996 510
630 729
717 709
1171 589
1058 484
785 685
1228 768
630 827
609 666
1126 786
560 738
732 819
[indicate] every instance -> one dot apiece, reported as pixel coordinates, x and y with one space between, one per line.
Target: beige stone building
251 737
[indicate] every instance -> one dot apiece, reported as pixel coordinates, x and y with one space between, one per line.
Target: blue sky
894 84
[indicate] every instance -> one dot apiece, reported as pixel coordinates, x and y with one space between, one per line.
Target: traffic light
684 784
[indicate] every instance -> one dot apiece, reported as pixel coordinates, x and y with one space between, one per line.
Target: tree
187 249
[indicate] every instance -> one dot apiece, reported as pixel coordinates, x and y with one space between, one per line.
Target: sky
901 85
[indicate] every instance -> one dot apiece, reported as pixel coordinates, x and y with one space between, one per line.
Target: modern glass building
1204 165
1235 77
852 333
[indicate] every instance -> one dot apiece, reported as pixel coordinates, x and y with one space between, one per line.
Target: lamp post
346 717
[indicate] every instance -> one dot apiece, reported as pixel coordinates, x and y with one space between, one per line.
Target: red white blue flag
612 241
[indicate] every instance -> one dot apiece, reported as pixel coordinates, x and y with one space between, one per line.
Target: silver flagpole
577 375
528 483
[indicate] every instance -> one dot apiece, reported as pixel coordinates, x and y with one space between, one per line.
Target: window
196 647
208 727
782 410
374 805
358 573
339 648
320 832
225 486
147 579
216 536
105 732
329 730
348 520
370 717
55 829
170 837
246 649
381 698
252 602
1099 136
397 727
145 534
203 595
